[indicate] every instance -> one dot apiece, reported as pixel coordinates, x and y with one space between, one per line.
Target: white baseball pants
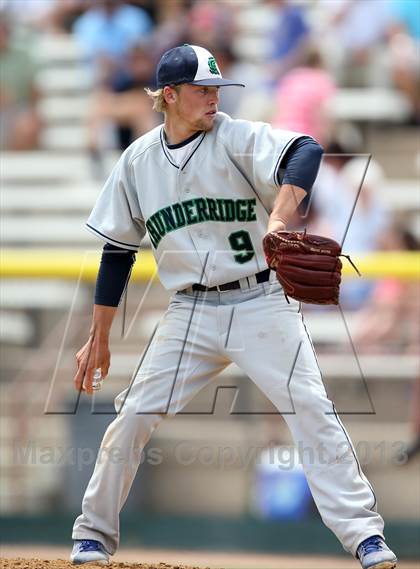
199 335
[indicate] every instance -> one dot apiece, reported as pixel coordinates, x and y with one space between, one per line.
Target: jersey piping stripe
141 152
359 469
194 151
162 142
110 239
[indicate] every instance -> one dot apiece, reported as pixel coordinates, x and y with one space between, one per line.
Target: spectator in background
370 219
20 121
407 14
289 37
358 31
210 23
390 324
54 16
329 182
390 321
62 15
366 225
412 449
106 33
404 51
335 195
302 98
172 27
126 105
110 34
231 100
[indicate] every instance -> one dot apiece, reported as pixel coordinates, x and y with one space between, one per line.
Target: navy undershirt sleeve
113 276
301 164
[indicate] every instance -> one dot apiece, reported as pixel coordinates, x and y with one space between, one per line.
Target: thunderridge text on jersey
197 210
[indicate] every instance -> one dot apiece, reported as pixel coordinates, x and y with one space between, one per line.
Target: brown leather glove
307 266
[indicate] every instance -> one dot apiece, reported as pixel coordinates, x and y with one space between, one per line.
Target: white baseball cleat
373 553
88 551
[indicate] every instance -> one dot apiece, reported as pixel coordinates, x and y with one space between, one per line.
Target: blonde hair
159 103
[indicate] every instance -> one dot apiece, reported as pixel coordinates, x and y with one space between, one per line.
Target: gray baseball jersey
206 217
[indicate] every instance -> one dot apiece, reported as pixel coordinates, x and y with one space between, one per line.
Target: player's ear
170 94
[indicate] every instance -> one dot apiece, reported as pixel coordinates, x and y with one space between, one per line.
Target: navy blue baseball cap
190 64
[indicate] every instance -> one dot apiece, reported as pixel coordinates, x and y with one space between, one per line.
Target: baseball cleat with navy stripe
373 553
89 551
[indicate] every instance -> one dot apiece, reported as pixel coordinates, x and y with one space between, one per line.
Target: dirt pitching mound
61 564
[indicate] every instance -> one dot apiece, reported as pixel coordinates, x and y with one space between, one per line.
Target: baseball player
207 189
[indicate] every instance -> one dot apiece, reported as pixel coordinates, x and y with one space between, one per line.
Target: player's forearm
102 319
287 201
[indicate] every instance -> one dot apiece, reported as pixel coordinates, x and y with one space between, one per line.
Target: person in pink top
302 99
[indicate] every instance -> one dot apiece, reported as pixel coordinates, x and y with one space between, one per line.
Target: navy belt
261 277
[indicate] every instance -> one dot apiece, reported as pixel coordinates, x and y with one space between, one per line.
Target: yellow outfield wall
79 264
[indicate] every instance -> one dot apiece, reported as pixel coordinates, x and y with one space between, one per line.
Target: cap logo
213 66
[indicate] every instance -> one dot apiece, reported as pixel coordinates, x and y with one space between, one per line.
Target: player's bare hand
275 225
93 355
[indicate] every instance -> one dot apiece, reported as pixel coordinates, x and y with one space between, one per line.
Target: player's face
197 106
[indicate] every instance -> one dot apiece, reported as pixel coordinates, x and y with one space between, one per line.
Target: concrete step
36 294
16 327
401 194
51 231
399 165
254 24
70 137
371 105
45 168
53 198
40 166
57 49
399 138
64 108
397 149
46 230
73 81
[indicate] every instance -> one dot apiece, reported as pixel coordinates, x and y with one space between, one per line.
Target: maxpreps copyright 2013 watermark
187 453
